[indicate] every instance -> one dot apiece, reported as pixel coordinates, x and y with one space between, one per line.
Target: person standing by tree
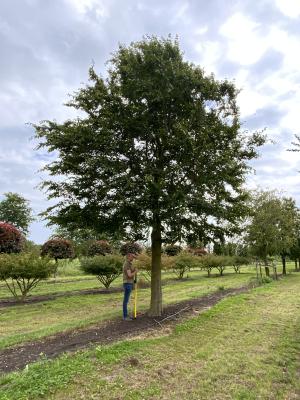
129 273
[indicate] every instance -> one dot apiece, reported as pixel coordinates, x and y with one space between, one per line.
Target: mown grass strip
246 347
32 321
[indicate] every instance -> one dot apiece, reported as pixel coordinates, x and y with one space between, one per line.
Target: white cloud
84 6
245 44
210 53
202 30
250 100
290 8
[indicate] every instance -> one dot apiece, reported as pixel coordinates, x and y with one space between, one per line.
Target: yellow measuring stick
135 298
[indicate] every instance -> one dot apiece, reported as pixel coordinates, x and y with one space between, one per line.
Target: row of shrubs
22 272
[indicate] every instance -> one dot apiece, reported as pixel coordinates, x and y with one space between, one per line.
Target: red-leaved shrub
11 239
130 247
57 248
99 248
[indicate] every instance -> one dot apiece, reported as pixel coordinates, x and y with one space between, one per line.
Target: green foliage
31 247
11 239
82 238
130 247
238 262
160 144
159 119
172 250
183 263
15 210
143 264
211 261
57 248
106 268
274 225
22 272
99 248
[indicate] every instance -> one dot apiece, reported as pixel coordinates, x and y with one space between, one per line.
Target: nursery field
225 339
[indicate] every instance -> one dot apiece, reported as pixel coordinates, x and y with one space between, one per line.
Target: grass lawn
31 321
247 347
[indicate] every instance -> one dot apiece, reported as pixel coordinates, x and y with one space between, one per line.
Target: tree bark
283 265
267 270
156 292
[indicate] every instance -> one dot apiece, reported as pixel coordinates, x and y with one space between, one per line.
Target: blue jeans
127 290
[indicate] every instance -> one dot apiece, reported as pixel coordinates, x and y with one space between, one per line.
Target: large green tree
15 210
157 146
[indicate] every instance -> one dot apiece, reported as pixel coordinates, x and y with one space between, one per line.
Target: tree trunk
283 265
156 293
296 265
267 270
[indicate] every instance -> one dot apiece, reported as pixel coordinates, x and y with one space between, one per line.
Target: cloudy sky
47 47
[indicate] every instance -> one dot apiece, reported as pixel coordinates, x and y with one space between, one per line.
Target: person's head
130 256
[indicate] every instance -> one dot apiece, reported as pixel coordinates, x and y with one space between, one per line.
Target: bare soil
18 357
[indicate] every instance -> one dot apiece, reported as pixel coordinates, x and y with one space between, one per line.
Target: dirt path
111 331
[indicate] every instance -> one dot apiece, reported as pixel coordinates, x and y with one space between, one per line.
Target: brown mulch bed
50 347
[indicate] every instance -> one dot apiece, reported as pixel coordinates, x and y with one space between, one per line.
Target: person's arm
131 273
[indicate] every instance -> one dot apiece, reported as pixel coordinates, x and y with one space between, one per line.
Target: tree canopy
158 147
15 210
274 225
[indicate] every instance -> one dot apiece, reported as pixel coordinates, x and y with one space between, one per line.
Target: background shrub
238 262
211 261
198 251
172 250
183 263
57 248
22 272
130 247
105 268
143 264
11 239
99 248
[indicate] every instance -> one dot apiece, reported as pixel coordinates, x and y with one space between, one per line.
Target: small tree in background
22 272
58 249
11 239
15 210
143 264
212 261
130 247
238 262
198 251
183 263
273 228
99 248
106 268
31 247
295 254
172 250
